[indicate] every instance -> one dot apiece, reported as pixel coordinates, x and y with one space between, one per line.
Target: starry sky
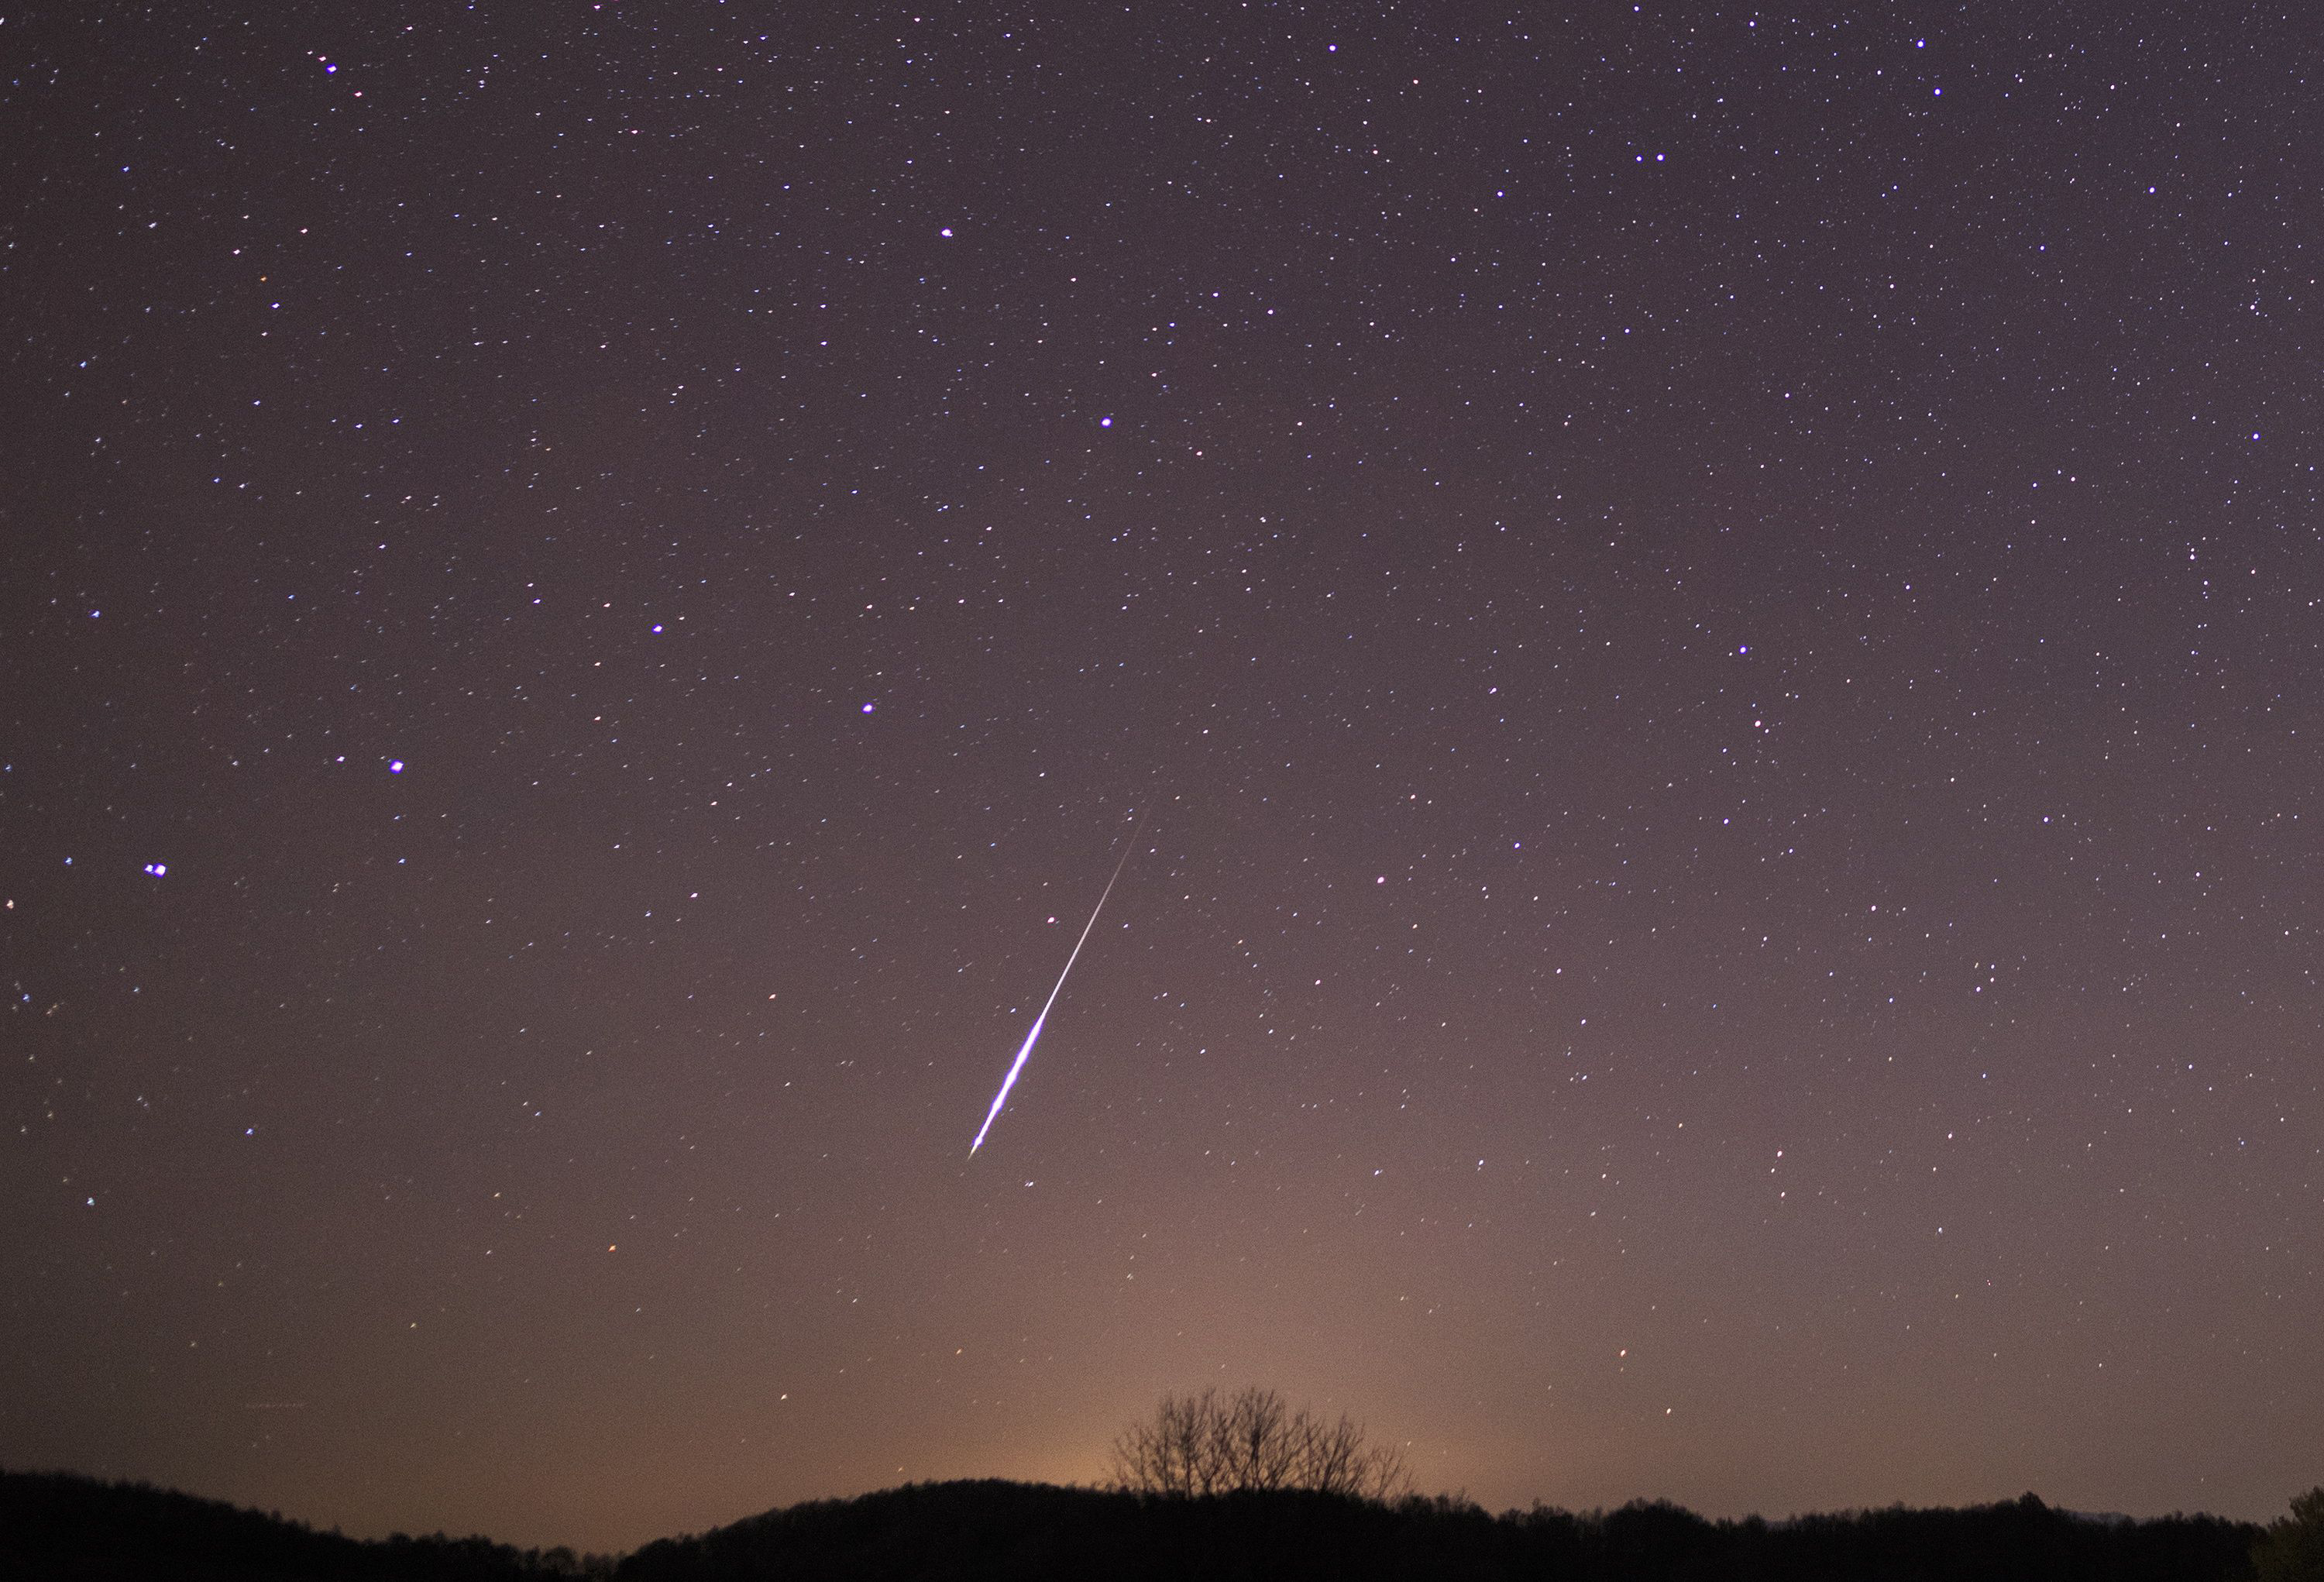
1699 627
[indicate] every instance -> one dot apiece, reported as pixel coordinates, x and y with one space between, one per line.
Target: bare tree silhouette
1214 1444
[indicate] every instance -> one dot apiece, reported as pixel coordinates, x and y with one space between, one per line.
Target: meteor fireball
1025 1050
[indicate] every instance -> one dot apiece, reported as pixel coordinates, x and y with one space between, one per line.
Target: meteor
1026 1048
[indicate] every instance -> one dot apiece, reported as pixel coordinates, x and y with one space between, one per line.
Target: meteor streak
1026 1050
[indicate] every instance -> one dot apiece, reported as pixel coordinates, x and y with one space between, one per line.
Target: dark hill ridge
1033 1531
61 1525
56 1525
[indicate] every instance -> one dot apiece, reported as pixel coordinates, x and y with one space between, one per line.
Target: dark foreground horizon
55 1524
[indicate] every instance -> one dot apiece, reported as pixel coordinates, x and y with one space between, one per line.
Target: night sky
1712 615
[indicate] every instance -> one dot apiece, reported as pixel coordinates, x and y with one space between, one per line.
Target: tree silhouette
2293 1549
1214 1444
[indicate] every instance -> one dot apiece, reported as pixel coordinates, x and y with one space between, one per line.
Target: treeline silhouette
1037 1531
61 1526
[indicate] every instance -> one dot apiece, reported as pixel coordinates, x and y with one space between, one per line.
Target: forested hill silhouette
61 1525
56 1525
1037 1531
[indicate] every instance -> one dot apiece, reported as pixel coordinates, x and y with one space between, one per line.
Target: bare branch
1210 1444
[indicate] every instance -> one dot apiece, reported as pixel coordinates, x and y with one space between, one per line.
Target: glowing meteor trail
1026 1050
